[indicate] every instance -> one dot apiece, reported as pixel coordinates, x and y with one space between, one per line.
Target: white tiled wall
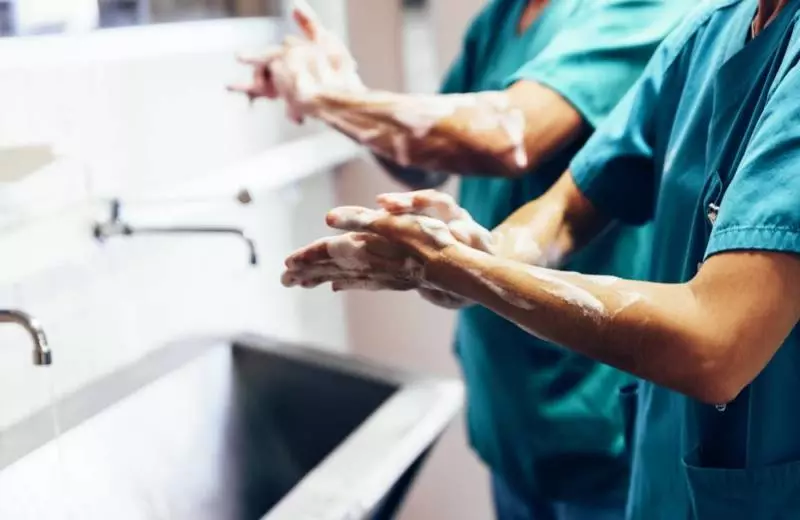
138 111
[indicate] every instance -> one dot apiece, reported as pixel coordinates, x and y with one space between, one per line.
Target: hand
313 266
508 241
384 252
442 207
353 261
301 68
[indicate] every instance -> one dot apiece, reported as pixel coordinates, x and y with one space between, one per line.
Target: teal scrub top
548 421
708 146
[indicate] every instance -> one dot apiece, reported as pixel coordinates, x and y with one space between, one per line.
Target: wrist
327 100
440 269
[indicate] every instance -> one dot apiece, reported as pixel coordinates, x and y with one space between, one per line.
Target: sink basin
228 430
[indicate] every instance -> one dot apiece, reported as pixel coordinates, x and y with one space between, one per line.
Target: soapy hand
302 67
353 261
382 251
442 207
513 243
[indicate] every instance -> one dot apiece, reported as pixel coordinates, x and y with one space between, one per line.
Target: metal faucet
42 356
115 226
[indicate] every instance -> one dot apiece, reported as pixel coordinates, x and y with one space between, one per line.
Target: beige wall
451 18
400 329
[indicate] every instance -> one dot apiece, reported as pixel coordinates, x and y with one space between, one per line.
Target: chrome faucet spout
42 356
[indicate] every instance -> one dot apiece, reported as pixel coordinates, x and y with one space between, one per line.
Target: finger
437 205
307 20
443 207
267 85
430 203
358 285
396 203
294 41
314 253
329 272
347 251
368 285
317 276
293 113
260 59
313 283
400 229
472 234
353 218
378 268
242 89
291 279
250 91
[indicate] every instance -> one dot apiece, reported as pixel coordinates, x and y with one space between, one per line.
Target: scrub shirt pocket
768 493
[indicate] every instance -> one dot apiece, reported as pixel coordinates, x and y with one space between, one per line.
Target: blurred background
125 99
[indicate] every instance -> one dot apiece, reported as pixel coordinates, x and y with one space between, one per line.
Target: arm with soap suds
499 133
707 338
542 233
502 133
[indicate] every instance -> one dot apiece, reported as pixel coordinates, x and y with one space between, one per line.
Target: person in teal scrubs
549 423
707 147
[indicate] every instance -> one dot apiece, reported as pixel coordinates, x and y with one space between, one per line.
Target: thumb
307 19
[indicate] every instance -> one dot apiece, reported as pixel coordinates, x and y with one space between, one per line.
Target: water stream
61 481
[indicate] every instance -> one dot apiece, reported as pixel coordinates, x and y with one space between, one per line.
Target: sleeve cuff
754 238
580 99
585 170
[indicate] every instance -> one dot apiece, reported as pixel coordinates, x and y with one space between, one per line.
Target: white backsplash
131 124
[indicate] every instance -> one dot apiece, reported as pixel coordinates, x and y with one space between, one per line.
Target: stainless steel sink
228 430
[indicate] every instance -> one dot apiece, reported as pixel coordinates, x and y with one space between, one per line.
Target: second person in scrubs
540 76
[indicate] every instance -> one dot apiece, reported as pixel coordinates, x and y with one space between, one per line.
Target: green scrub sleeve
760 210
616 170
600 55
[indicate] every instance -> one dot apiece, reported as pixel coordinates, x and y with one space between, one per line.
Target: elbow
713 379
716 390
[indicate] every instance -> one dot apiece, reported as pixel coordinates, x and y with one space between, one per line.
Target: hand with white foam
381 252
510 242
443 207
353 260
302 68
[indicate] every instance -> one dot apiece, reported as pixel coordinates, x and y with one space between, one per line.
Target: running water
61 479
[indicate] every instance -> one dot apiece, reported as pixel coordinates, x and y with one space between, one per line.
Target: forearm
501 134
546 231
653 331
